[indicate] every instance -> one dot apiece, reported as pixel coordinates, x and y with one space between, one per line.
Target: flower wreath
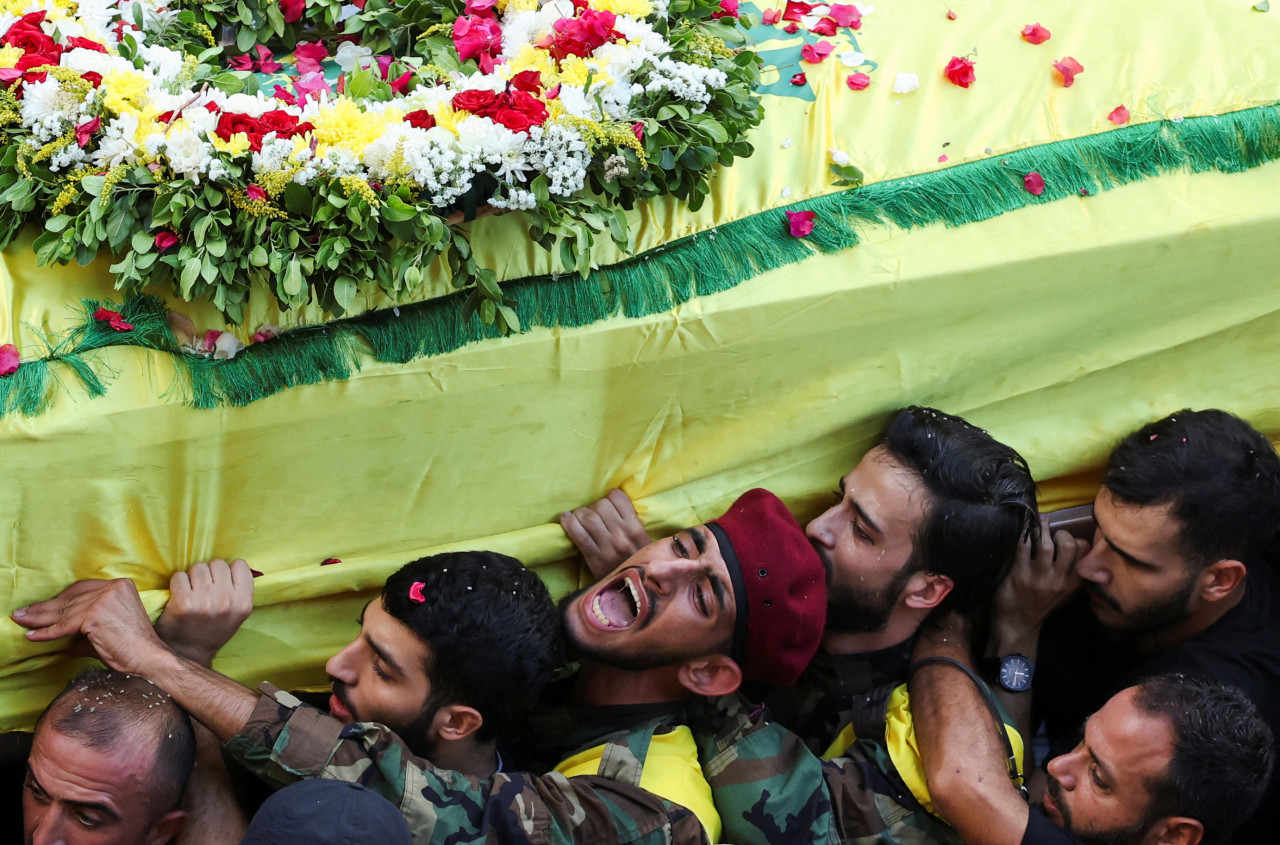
123 131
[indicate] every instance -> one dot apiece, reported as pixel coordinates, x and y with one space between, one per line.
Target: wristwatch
1015 673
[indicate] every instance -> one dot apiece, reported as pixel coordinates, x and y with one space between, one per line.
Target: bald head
109 712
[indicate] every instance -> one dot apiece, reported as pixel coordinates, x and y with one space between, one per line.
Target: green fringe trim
658 280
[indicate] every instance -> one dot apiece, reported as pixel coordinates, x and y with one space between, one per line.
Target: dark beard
864 610
1156 616
1116 836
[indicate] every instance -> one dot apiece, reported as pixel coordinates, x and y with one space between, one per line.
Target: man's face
382 676
1135 575
76 795
866 539
1099 791
669 602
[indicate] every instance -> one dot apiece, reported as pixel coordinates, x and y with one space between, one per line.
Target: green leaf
258 257
217 247
190 272
57 223
292 281
141 241
397 209
344 291
297 199
847 175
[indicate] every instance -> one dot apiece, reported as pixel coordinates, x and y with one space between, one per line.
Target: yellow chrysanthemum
635 8
447 118
523 5
574 71
9 56
344 125
126 90
238 144
528 57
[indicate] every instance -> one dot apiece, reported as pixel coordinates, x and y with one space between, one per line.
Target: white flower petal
905 83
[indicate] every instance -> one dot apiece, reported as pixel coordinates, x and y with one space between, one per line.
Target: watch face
1015 673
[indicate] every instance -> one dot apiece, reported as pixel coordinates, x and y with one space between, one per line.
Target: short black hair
105 710
1219 477
493 631
1223 753
982 502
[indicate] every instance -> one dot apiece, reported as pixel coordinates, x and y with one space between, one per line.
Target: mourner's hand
109 614
1042 579
207 605
607 532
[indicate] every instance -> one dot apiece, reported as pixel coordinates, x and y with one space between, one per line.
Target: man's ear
1176 830
168 827
1220 579
926 590
715 674
455 721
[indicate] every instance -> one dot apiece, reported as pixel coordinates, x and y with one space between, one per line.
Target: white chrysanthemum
249 104
165 63
84 61
426 97
116 145
7 19
97 18
43 101
483 82
575 102
188 153
518 29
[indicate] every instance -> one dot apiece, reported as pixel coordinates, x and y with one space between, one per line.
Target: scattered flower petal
415 592
1034 183
255 573
951 15
165 240
846 15
786 143
815 53
1068 67
840 157
800 222
857 81
113 319
942 158
791 28
852 58
308 55
728 9
772 16
84 131
1084 192
799 79
9 359
1034 33
960 71
329 561
823 26
1119 116
1260 6
905 83
786 191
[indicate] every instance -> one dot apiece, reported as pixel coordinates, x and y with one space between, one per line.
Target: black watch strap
1015 770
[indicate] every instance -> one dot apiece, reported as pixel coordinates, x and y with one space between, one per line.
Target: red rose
421 119
282 123
475 101
960 71
34 60
31 39
85 44
165 240
527 80
231 123
580 36
92 77
292 10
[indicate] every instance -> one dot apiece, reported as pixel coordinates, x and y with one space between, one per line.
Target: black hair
492 629
1223 753
982 501
106 710
1219 477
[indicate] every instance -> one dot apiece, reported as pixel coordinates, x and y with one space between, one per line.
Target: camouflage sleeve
285 741
767 785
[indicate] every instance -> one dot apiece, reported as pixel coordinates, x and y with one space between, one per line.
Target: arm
963 756
285 741
207 605
606 533
1043 577
110 616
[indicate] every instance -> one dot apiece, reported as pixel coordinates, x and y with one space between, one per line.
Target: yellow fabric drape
1057 327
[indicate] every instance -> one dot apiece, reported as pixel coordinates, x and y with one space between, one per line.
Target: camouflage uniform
286 741
771 789
834 692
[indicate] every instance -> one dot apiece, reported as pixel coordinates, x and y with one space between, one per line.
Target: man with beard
1181 578
929 519
1173 760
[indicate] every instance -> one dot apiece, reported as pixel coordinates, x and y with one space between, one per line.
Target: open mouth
620 603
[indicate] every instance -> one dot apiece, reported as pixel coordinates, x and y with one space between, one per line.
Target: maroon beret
779 584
